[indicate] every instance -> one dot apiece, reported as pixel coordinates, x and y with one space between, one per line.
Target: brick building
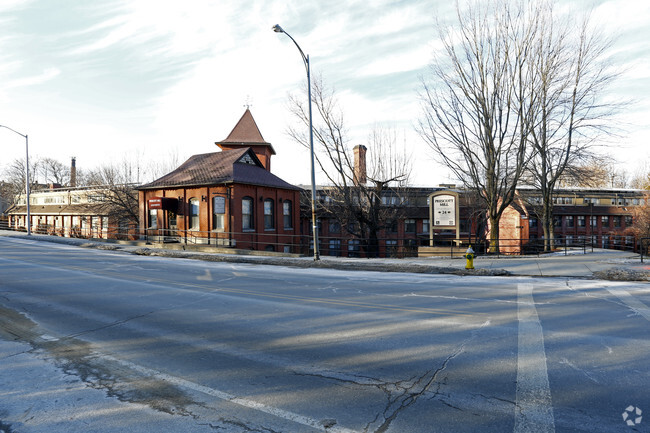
82 212
583 216
599 217
228 198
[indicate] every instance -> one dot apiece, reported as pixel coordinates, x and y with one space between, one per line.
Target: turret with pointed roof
247 134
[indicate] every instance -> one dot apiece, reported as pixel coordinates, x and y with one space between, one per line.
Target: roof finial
248 103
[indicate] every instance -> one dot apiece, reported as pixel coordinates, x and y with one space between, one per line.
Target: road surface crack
397 404
110 325
409 396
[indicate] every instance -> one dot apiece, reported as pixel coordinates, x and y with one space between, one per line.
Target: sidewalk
601 263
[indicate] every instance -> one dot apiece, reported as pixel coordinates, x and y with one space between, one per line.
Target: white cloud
47 75
180 72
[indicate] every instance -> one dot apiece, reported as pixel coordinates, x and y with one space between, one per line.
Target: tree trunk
494 234
373 244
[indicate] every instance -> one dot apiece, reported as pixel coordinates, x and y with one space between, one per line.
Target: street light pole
305 59
29 220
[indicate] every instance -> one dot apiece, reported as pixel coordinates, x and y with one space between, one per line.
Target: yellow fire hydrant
469 255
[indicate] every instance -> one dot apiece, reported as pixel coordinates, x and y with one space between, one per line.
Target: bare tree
364 203
53 171
599 173
641 179
569 75
14 176
116 189
476 106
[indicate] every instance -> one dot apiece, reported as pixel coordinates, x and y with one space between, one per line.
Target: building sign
166 203
444 210
155 203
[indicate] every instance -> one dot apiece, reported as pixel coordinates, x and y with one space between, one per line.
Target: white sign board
219 205
444 210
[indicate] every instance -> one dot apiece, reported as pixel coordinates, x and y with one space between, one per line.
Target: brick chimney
73 172
360 176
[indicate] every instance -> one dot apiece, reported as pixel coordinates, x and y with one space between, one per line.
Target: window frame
287 214
269 214
194 218
218 219
248 218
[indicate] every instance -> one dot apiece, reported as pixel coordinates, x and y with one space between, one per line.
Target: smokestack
360 177
73 172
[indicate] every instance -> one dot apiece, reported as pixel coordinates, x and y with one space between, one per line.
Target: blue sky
157 80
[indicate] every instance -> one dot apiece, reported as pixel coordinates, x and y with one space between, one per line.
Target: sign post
443 213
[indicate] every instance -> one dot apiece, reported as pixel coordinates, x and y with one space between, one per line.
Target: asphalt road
97 341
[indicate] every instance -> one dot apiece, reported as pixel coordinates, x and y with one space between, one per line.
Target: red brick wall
257 239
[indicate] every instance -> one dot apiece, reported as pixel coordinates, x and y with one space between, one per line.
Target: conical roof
245 131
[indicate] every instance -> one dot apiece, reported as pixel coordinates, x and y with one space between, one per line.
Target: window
269 214
391 248
218 213
425 226
334 226
354 248
335 247
604 220
194 214
617 221
591 200
562 200
287 214
581 221
409 226
557 221
153 218
392 226
593 221
532 223
628 221
391 201
617 201
569 221
247 214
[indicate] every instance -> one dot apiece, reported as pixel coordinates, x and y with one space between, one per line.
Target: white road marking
205 277
534 410
279 413
635 305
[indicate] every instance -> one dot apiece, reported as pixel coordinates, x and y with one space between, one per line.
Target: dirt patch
324 264
622 274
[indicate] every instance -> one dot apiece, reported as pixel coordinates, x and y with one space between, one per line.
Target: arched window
269 214
247 220
194 214
287 214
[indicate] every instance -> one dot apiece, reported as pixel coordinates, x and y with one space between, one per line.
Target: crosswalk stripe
534 410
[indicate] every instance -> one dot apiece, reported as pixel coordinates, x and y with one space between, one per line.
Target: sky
157 81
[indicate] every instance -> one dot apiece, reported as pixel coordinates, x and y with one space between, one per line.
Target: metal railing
341 246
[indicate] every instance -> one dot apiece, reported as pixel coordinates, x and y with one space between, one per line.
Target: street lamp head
278 29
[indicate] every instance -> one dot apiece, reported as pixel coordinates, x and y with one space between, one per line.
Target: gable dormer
250 158
247 134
